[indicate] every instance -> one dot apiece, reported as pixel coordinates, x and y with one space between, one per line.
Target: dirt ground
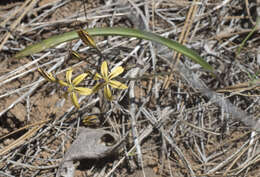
188 122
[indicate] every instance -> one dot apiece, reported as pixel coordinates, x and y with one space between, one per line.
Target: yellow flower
107 80
72 88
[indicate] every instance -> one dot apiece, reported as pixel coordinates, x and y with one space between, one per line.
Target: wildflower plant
104 79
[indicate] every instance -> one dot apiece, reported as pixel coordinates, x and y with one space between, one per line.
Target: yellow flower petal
62 83
69 75
79 78
74 99
104 70
107 92
83 90
117 84
70 88
117 71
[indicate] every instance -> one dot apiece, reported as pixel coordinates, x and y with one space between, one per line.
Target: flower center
70 88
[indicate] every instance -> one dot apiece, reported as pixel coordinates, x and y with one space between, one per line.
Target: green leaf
116 31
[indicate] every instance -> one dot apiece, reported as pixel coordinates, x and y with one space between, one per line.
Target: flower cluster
104 80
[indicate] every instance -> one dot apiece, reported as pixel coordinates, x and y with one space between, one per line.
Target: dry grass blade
133 114
21 140
228 160
25 127
235 161
183 37
14 25
241 87
3 23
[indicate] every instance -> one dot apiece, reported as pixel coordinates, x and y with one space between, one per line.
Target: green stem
248 36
